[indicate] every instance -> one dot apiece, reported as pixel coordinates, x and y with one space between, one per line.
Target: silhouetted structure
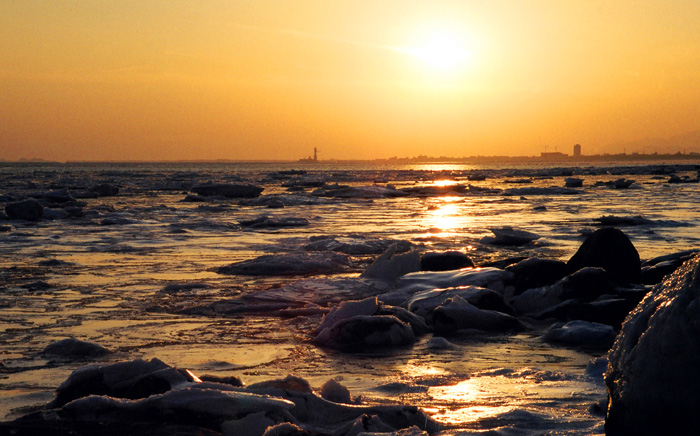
577 150
311 159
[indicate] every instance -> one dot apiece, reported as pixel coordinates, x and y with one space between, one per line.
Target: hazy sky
258 79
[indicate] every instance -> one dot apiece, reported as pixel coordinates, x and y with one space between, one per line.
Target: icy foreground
151 391
652 377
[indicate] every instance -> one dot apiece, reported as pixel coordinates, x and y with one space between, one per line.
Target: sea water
138 274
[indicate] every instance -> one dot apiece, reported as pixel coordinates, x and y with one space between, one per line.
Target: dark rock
654 270
652 378
288 265
363 331
5 229
573 182
227 190
29 210
458 314
57 196
445 261
55 214
72 347
133 379
535 272
335 392
610 249
105 190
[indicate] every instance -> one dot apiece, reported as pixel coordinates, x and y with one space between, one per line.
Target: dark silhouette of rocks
610 249
227 190
535 272
652 376
29 210
445 261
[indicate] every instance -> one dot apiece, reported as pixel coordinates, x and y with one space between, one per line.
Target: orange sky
258 79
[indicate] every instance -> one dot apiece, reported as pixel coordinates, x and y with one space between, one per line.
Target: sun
441 51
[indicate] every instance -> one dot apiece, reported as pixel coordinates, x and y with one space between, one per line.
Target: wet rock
227 190
132 379
366 331
439 343
209 408
581 334
55 214
445 261
288 265
57 196
458 314
28 210
584 285
510 236
390 266
651 378
335 392
536 272
289 383
105 190
654 270
610 249
491 278
424 303
573 182
76 348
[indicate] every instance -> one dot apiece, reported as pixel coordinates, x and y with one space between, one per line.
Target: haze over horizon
262 80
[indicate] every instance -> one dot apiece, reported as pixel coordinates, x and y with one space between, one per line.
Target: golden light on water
467 401
445 216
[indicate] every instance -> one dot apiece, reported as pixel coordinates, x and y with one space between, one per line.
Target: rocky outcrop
28 210
612 250
652 377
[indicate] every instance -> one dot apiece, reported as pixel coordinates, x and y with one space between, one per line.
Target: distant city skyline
271 80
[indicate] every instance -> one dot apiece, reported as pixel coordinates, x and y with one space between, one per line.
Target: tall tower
577 150
315 155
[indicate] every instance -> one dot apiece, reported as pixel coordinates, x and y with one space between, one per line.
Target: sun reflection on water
468 401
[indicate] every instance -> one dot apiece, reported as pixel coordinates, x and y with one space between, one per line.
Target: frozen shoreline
105 276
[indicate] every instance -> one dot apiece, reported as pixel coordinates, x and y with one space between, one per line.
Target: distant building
577 150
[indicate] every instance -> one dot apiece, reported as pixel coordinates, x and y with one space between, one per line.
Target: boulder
424 303
573 182
445 261
335 392
76 348
390 266
610 249
227 190
132 379
28 210
458 314
366 331
293 264
535 272
652 377
105 190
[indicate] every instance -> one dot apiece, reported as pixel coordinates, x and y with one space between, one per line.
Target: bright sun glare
441 51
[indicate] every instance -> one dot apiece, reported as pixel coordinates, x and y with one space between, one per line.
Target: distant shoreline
564 159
